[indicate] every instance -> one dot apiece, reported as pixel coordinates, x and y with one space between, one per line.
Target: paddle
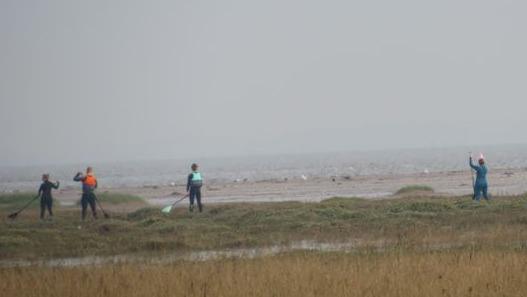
106 216
168 209
15 214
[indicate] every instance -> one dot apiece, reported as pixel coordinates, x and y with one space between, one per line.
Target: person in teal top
481 184
194 183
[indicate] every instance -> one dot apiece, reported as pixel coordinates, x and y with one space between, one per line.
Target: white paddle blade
167 209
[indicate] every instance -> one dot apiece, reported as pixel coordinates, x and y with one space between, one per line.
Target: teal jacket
481 173
194 180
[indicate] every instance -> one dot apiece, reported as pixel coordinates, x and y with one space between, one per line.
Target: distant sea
258 168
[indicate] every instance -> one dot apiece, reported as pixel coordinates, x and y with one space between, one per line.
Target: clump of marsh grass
414 189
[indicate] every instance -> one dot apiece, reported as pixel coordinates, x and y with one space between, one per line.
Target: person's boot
191 208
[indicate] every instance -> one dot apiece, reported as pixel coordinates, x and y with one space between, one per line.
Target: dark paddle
106 216
15 214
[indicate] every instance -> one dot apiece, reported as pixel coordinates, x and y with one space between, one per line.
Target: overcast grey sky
84 81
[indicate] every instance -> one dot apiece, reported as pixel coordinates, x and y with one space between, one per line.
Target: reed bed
402 273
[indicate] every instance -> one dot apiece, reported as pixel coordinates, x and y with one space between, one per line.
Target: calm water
270 167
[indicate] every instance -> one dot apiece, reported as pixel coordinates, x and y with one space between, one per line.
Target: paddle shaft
180 200
29 203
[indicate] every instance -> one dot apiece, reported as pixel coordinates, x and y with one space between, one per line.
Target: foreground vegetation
412 221
364 273
412 245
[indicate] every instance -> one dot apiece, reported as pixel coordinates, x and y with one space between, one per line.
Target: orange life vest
90 181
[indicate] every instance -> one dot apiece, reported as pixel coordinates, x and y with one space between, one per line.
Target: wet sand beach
502 182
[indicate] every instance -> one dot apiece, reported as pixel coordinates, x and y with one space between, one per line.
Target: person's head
45 177
481 161
89 170
194 167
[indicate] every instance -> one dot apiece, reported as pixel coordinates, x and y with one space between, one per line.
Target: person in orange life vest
89 184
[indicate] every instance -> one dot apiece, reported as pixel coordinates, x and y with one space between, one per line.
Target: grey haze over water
272 167
112 81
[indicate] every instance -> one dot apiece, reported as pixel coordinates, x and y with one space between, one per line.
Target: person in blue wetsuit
481 184
194 183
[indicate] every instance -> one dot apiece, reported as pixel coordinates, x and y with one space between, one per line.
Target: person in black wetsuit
194 183
46 199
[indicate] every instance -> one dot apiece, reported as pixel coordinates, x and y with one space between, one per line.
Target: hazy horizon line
256 155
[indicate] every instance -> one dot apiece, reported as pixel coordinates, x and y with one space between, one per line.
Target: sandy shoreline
502 182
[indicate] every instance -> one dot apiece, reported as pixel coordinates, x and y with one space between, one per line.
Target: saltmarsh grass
119 198
403 274
16 200
419 221
429 247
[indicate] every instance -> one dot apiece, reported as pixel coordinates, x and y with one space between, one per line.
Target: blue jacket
481 174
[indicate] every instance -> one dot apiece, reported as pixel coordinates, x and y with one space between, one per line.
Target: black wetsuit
194 190
46 199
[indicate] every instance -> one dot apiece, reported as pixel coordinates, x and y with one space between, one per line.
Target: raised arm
55 185
472 164
78 177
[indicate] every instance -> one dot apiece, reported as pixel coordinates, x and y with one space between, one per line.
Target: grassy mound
413 189
409 221
420 207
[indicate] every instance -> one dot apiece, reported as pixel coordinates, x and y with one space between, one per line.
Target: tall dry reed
405 274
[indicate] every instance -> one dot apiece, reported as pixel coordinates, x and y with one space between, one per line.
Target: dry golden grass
405 274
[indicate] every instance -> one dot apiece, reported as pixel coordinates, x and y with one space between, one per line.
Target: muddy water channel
243 253
166 258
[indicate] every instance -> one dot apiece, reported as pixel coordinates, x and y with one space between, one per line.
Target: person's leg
93 205
42 208
192 195
50 206
198 199
477 192
485 193
84 205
